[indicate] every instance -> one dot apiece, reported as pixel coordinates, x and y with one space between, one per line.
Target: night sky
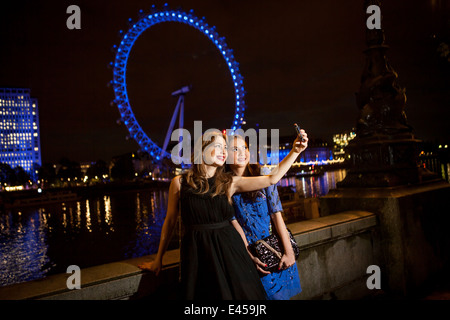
301 62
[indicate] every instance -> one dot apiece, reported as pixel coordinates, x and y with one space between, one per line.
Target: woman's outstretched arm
168 227
245 184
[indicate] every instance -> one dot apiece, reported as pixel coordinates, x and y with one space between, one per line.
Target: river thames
44 240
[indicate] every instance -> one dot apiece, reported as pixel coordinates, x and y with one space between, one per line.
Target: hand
287 260
259 265
299 145
153 266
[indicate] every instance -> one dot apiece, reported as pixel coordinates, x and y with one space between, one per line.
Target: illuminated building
19 129
318 152
340 141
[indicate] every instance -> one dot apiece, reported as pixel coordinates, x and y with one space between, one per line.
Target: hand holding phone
297 129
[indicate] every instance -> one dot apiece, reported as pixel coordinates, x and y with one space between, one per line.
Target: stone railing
335 253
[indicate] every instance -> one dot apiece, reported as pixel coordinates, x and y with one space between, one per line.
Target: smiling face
239 152
216 152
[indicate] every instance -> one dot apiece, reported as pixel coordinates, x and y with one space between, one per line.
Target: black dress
215 264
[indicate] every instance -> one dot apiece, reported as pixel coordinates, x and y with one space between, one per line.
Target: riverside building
19 130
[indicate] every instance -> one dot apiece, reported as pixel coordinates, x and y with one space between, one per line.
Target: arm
168 227
257 262
288 258
238 227
245 184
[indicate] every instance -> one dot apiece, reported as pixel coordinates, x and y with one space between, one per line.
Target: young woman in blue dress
214 260
257 212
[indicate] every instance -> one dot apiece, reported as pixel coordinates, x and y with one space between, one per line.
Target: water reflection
148 221
314 186
108 215
23 249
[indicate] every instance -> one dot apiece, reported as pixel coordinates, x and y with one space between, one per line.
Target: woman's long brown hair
195 176
252 169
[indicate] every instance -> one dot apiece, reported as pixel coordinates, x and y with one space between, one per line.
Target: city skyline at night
300 62
342 109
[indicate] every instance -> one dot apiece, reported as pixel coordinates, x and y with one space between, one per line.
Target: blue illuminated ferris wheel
120 64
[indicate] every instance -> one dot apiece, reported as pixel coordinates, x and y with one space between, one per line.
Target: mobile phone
297 128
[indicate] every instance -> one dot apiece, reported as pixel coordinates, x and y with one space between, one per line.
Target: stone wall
413 225
335 253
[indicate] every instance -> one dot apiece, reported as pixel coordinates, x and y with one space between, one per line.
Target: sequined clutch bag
269 250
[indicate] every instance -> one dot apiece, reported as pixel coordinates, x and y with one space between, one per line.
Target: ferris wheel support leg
181 118
172 123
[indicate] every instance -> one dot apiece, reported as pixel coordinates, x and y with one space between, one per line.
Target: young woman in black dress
215 263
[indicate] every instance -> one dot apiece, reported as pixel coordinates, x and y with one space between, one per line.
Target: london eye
122 53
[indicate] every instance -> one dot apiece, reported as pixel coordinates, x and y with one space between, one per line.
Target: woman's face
239 152
216 152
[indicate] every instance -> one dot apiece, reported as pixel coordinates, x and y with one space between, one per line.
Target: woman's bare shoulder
176 182
177 179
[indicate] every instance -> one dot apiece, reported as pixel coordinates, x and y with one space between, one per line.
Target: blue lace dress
254 218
